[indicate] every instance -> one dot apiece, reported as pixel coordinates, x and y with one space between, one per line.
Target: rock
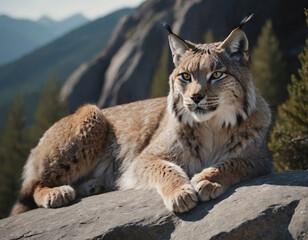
269 207
124 71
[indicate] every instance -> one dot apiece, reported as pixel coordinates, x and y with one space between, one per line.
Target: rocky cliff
124 71
269 207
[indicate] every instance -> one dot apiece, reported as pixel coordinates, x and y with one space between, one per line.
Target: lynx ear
177 45
178 48
236 45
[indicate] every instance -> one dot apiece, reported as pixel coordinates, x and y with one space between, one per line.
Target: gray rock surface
124 71
269 207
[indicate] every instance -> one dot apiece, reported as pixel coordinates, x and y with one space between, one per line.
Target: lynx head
211 81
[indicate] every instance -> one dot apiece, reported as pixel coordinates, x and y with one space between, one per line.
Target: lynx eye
217 76
185 77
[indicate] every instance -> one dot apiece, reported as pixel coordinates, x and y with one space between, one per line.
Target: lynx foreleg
212 182
171 182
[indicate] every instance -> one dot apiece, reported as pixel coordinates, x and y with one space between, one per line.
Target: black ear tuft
244 21
166 26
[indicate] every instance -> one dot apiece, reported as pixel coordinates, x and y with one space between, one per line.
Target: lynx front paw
54 197
207 190
182 199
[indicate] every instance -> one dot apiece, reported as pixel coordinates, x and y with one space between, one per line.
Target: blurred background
57 55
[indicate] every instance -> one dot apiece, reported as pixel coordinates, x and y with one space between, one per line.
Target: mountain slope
61 57
60 27
19 36
124 71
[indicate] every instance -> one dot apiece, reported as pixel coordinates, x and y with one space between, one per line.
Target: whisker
208 104
182 110
190 105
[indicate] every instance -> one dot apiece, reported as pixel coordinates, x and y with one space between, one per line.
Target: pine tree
50 109
13 154
208 36
268 67
289 137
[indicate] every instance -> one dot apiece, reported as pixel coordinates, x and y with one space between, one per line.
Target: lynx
207 135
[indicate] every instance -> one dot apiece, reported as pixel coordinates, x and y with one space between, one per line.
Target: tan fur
185 149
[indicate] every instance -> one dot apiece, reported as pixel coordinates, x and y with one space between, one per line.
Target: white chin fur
222 116
202 117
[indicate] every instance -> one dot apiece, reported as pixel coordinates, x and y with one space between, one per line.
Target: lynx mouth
200 110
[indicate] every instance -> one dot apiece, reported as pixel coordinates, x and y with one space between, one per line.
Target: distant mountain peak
79 16
76 18
21 36
4 16
45 20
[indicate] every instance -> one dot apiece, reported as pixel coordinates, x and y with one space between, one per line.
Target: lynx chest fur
208 134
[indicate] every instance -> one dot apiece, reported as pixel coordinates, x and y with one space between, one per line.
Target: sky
60 9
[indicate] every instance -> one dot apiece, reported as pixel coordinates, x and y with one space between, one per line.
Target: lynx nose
197 98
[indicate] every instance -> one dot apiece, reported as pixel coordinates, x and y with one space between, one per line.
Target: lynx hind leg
68 151
54 197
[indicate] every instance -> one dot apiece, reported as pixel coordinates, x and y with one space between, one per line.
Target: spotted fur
209 134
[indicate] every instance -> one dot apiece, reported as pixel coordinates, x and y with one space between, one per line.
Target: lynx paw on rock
55 197
182 199
207 190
